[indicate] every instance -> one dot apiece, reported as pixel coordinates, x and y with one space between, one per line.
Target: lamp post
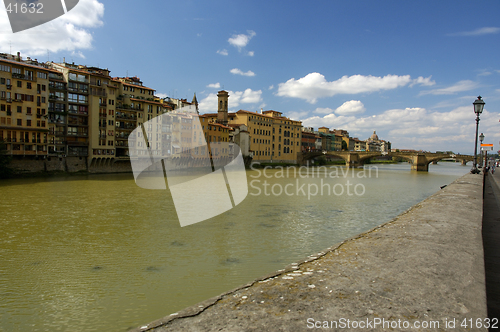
478 109
481 139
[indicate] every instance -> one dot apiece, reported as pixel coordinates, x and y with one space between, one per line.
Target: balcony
23 77
9 86
99 93
126 126
125 117
78 134
122 135
77 143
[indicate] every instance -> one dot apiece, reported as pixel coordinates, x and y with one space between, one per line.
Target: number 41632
24 8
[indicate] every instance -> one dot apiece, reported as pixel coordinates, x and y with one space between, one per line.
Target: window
28 110
19 84
19 122
28 123
42 75
19 109
28 85
4 68
16 70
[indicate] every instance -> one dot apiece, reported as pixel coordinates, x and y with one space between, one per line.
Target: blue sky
409 70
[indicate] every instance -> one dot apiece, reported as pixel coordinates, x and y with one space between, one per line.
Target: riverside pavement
424 267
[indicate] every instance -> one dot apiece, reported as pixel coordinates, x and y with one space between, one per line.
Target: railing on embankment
424 267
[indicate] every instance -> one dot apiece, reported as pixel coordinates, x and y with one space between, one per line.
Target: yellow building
273 137
24 94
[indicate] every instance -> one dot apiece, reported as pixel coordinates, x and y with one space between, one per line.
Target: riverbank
425 266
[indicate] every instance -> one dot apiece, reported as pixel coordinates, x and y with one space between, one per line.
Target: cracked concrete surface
425 265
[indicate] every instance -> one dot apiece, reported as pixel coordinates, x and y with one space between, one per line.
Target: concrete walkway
491 241
422 271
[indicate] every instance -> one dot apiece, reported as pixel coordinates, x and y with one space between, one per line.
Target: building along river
98 253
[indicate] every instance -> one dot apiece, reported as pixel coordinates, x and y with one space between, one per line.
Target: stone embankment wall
424 267
68 165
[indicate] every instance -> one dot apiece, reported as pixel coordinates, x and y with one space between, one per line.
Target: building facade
24 97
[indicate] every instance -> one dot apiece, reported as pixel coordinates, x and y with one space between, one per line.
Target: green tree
5 170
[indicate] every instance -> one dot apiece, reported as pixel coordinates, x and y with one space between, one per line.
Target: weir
426 265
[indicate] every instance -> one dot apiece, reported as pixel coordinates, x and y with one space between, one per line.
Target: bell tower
223 96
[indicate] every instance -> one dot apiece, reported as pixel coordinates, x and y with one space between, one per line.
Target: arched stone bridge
418 161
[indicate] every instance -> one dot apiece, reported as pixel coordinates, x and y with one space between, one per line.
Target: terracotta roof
220 125
148 101
23 64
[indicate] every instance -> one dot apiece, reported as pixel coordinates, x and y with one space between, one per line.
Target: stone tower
195 103
223 96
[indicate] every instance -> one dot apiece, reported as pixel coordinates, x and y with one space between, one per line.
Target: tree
5 170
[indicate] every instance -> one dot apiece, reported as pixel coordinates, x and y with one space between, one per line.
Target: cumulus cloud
423 81
69 32
251 53
236 98
324 110
477 32
222 52
415 128
237 71
314 85
214 85
351 107
241 40
297 115
460 86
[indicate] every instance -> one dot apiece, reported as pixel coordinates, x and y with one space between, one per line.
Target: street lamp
478 109
481 139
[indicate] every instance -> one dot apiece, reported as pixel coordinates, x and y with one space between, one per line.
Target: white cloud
477 32
214 85
351 107
237 71
241 40
222 52
271 87
423 81
416 128
325 110
314 85
161 95
460 86
251 53
297 115
249 96
69 32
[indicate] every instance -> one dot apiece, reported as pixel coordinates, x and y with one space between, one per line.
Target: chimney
261 110
18 56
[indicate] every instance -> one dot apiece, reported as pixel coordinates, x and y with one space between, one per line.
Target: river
98 253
